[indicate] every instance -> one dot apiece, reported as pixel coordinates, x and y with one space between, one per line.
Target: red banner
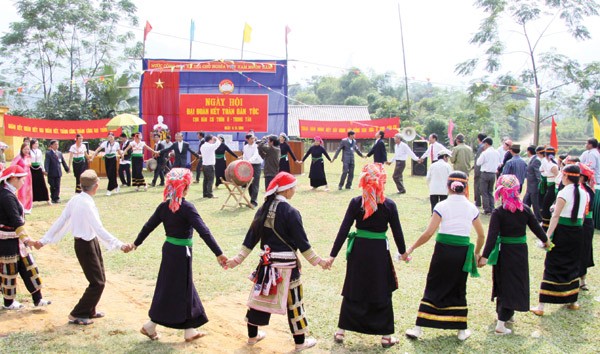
364 129
212 66
223 113
56 129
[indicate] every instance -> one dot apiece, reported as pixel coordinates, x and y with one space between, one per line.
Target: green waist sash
137 155
180 241
35 164
219 156
317 158
493 258
78 159
567 221
363 234
109 156
589 215
284 156
470 265
542 184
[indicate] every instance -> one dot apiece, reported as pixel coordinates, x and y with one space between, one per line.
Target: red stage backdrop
223 113
364 129
56 129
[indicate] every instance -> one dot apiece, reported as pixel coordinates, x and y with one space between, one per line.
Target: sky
330 36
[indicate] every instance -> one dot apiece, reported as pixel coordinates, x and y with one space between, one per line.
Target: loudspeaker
419 148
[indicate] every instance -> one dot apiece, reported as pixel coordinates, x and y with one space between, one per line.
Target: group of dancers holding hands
278 232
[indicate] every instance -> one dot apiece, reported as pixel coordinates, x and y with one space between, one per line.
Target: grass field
560 331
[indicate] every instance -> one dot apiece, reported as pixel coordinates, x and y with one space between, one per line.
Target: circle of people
556 209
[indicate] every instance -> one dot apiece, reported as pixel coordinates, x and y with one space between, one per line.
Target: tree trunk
536 118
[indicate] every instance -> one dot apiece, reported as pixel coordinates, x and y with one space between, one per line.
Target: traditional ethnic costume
367 304
137 164
14 256
221 163
547 187
277 285
110 162
80 163
284 159
25 193
560 284
176 303
506 250
40 191
317 167
587 252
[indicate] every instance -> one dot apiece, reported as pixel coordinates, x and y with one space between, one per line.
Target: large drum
151 165
239 172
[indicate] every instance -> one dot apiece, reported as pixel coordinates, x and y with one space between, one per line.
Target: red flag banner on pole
450 129
553 135
147 30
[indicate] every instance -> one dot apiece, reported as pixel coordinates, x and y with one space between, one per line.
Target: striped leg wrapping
8 275
453 317
296 314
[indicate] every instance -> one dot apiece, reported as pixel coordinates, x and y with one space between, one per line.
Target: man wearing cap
462 155
14 243
52 163
437 178
348 147
401 152
80 218
488 161
516 165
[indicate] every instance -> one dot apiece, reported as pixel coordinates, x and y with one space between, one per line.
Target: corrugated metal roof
324 113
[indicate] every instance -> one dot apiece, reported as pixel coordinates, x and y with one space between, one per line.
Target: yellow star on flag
159 84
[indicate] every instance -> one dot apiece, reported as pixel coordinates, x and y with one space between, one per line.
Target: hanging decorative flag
247 33
450 129
553 135
594 120
287 31
1 92
20 90
192 30
147 30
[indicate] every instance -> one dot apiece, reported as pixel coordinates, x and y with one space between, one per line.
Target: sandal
153 336
195 336
537 311
98 315
338 337
81 321
259 336
389 342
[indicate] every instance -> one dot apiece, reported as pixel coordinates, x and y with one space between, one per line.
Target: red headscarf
507 188
372 182
177 180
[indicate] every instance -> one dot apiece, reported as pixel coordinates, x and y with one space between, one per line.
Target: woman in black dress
587 254
317 167
176 303
506 250
220 162
367 304
287 154
40 191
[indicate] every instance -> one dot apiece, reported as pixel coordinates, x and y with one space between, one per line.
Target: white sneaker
308 343
43 302
14 306
502 331
463 334
414 333
108 193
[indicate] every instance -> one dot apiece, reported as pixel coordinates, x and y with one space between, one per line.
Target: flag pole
243 40
192 30
404 61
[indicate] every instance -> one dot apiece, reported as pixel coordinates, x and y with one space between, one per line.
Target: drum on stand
239 172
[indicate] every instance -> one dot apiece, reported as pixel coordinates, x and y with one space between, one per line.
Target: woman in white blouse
78 155
444 303
137 147
40 191
111 148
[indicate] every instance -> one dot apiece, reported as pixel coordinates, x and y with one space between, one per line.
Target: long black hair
258 223
572 173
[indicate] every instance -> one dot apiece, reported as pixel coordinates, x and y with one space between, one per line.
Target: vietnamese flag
147 30
160 97
553 136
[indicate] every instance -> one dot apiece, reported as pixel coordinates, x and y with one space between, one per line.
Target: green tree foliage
525 17
58 44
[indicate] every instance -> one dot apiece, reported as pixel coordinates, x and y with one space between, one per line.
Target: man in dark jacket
52 164
378 150
181 149
270 152
160 161
348 147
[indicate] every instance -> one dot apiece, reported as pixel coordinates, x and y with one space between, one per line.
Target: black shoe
402 192
153 184
339 188
348 187
254 203
162 184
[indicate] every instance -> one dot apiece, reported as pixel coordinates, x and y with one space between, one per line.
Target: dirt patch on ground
126 301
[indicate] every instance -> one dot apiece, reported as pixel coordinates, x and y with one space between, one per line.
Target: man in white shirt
401 152
489 161
252 155
433 149
81 218
437 178
207 151
591 157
